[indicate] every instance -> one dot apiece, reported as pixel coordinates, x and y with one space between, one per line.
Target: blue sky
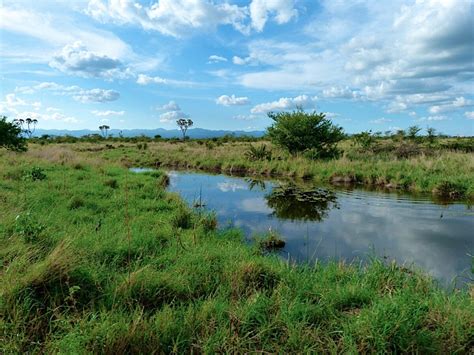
380 65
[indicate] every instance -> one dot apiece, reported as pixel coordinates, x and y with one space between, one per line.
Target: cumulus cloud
381 120
286 103
216 59
435 118
96 95
246 117
107 113
180 17
232 100
12 105
172 116
341 92
457 103
260 11
76 59
469 115
171 106
173 112
144 79
392 52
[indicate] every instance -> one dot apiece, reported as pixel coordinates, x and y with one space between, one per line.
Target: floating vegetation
300 203
270 241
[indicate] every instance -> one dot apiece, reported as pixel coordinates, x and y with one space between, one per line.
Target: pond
343 223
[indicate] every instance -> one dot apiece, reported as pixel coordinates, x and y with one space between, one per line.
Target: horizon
225 64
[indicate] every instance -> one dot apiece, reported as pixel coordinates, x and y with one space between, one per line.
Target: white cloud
169 17
173 113
246 117
56 116
178 18
76 59
107 113
381 120
332 114
172 116
12 104
341 92
286 103
457 103
171 106
240 61
96 95
216 59
59 31
260 11
435 118
144 79
469 115
391 52
232 100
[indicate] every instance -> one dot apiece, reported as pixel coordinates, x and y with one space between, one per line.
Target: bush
299 131
258 152
10 136
28 227
111 183
36 173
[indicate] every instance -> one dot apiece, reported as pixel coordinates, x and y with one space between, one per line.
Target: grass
389 164
94 266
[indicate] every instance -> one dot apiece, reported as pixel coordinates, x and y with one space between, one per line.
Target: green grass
95 266
431 169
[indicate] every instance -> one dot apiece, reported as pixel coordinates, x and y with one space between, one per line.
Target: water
349 224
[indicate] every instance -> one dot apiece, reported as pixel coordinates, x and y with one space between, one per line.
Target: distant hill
165 133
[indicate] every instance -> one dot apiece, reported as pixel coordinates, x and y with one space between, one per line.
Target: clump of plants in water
270 241
258 152
450 190
301 203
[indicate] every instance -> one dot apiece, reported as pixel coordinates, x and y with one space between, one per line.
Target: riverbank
444 173
98 259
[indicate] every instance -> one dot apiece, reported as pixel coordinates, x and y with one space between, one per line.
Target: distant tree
104 130
10 135
413 131
364 139
431 132
300 131
31 126
183 125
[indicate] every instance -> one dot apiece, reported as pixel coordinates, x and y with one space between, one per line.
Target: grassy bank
443 172
98 259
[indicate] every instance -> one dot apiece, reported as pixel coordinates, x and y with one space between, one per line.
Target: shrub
364 139
300 131
182 219
28 227
10 136
36 173
111 183
258 152
76 202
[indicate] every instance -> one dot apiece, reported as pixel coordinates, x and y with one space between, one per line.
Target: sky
378 65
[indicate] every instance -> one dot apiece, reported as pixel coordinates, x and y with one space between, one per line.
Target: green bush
299 131
28 227
258 152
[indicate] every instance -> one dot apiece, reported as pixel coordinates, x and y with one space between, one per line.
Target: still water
342 223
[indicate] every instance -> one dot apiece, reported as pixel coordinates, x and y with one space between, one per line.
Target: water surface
349 224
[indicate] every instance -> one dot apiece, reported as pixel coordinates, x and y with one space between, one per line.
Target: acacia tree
299 131
31 126
10 135
104 130
183 125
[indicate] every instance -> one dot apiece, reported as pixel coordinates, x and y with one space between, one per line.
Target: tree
103 129
413 131
183 125
431 134
10 136
300 131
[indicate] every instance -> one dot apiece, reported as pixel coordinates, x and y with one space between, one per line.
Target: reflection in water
300 203
405 228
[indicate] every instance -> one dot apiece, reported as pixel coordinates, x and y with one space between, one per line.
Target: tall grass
77 283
